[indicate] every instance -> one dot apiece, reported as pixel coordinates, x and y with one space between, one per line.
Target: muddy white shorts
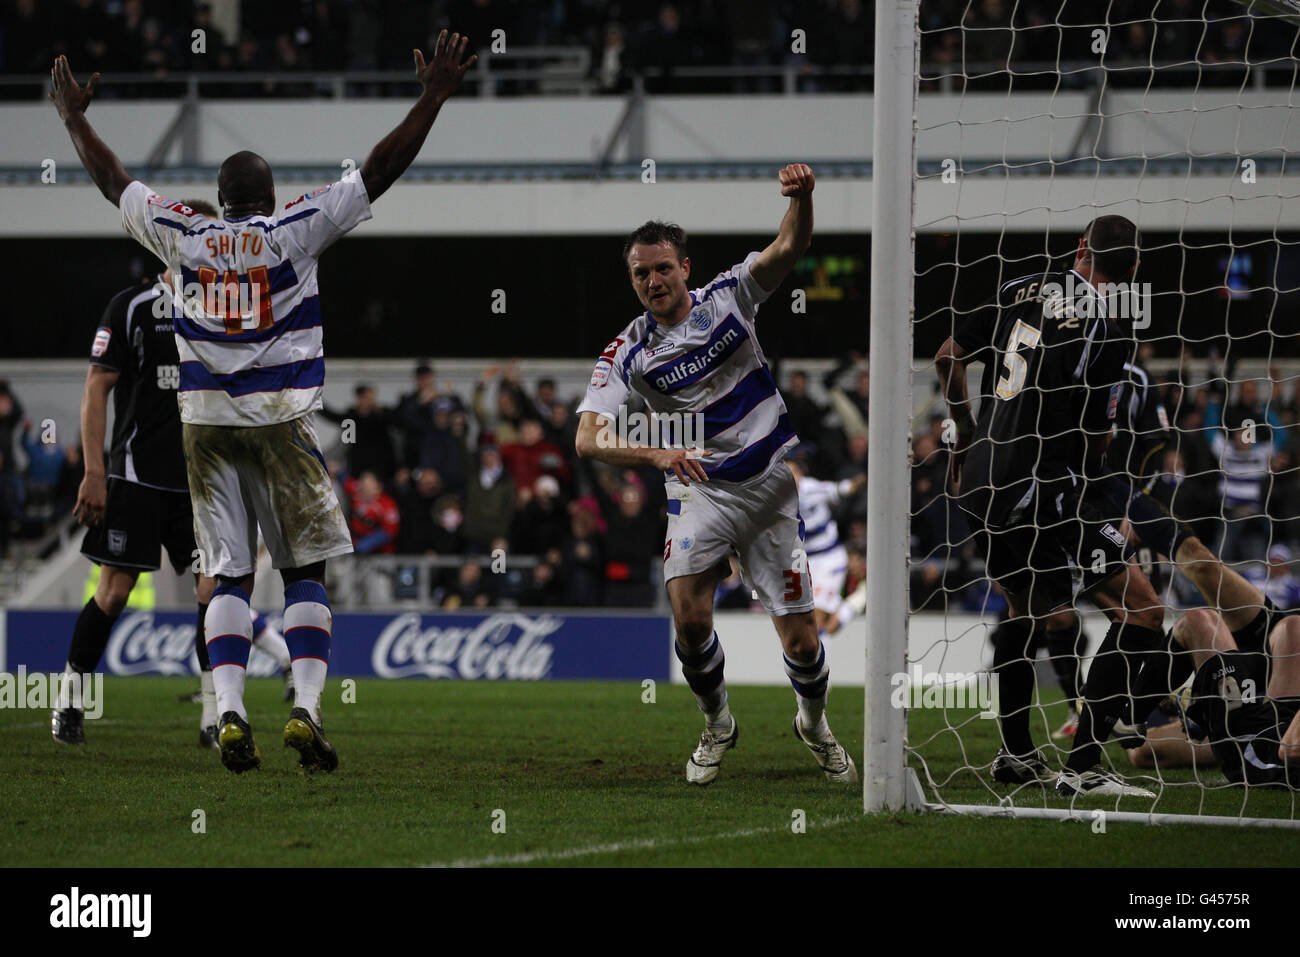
758 520
271 477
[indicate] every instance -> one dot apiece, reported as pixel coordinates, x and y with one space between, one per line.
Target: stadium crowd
1232 453
624 39
39 476
155 36
461 476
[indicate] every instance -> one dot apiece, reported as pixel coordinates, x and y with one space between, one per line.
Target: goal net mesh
1032 119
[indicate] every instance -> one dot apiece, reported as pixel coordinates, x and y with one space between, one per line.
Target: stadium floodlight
997 140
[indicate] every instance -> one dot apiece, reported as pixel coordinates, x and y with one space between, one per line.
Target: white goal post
992 168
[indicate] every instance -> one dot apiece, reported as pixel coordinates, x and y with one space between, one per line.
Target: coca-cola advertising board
519 645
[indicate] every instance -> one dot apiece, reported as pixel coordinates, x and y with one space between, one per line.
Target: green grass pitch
584 773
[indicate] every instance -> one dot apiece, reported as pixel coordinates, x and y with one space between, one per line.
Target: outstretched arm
396 151
71 100
776 261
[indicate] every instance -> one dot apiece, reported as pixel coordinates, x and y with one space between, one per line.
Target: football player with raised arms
695 352
251 372
141 502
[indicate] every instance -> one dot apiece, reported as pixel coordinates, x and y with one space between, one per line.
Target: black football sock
200 642
1065 648
1123 652
1014 669
1161 673
90 637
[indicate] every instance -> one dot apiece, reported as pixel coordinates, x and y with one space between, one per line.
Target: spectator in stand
490 503
373 516
1248 408
610 62
425 420
472 589
25 39
1244 461
499 404
1278 582
449 516
635 537
45 461
544 402
541 521
214 55
416 498
805 414
533 457
12 497
371 446
582 567
543 588
84 28
666 46
852 39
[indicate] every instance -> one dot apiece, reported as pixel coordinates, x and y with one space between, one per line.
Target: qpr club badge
701 320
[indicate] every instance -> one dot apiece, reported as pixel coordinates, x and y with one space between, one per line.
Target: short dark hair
202 206
245 179
1112 241
653 233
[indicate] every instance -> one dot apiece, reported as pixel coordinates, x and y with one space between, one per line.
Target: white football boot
1097 782
834 761
703 766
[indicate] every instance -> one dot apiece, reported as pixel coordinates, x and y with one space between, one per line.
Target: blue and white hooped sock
811 681
703 672
228 634
307 626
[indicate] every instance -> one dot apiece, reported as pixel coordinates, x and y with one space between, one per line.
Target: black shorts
1066 530
1244 726
138 521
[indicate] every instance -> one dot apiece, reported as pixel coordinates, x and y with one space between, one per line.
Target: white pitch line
643 844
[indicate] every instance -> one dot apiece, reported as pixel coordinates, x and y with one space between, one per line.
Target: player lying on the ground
828 562
1243 658
696 352
141 502
1245 694
252 366
1053 375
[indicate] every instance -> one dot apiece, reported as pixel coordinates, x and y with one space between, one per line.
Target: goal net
1029 120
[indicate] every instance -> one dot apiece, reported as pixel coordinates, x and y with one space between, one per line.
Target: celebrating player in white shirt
828 561
695 354
248 329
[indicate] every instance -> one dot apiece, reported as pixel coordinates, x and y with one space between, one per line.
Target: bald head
245 184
